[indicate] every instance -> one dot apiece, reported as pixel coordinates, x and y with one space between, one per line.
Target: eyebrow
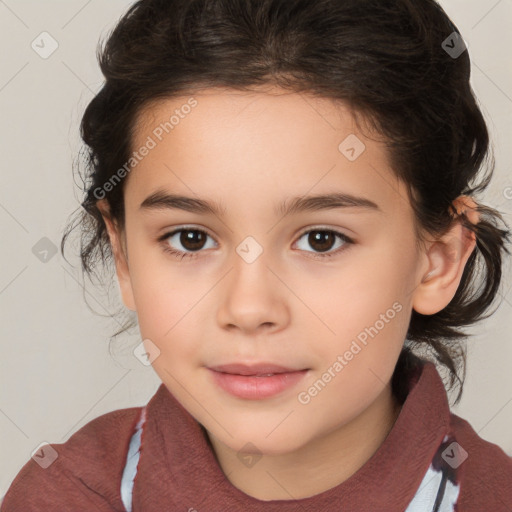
161 200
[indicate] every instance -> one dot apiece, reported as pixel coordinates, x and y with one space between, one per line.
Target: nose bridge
251 267
250 250
251 297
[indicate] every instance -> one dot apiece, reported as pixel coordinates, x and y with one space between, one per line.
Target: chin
255 441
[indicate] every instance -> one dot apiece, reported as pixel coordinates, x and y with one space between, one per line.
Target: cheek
357 362
367 309
367 285
166 297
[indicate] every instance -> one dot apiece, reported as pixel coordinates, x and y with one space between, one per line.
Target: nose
253 298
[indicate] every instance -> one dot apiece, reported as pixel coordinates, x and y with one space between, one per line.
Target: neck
315 467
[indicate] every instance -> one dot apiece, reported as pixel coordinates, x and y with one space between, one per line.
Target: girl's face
324 291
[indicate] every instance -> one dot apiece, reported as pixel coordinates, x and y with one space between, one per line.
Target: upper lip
253 369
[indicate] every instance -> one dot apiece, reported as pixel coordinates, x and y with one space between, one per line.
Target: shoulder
485 470
84 473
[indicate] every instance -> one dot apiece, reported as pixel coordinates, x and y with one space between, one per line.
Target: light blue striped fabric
132 459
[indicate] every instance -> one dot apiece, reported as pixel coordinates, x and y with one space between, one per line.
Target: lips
256 370
256 381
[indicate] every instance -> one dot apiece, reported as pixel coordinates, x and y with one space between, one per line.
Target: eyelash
348 241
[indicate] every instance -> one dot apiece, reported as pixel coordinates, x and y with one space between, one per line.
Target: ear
119 250
446 259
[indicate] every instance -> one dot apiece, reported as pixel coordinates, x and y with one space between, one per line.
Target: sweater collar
178 467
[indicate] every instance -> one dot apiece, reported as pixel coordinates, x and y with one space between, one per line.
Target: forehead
217 107
220 142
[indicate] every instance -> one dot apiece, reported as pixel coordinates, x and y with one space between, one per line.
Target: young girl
287 188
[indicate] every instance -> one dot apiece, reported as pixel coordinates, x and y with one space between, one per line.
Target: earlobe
120 257
447 258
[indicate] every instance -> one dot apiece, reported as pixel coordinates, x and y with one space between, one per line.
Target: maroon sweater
431 458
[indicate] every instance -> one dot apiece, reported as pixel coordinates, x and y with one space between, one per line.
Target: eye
193 239
322 239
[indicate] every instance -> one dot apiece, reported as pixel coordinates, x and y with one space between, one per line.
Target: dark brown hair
386 59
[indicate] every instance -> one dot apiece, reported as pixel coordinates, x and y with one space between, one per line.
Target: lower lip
256 388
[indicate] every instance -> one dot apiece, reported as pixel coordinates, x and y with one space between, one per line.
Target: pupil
187 239
321 236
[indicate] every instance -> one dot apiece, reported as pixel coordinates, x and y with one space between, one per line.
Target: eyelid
321 227
184 227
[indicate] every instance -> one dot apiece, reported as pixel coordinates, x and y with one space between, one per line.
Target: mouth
257 381
259 369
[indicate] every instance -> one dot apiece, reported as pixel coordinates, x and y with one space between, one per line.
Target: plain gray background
56 372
